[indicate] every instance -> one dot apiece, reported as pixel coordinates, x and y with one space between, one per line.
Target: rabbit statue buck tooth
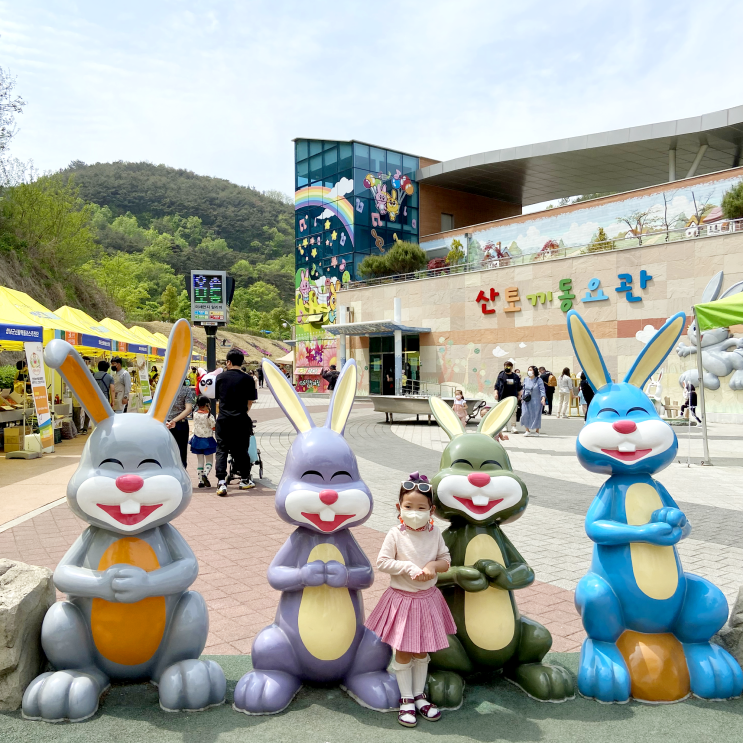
318 634
477 491
648 622
129 614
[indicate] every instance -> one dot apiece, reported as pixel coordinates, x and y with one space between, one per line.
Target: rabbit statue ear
712 290
734 289
61 356
342 399
175 367
287 398
656 350
497 418
446 417
587 351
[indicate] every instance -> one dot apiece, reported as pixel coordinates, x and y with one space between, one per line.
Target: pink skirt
413 622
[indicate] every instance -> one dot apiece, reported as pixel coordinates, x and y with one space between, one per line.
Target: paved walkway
235 538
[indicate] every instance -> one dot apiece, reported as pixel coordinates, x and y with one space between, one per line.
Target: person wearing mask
460 407
177 420
330 376
586 394
532 402
550 383
508 384
122 385
235 391
690 393
564 393
193 376
105 381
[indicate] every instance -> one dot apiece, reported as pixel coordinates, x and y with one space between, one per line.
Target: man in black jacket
330 376
508 384
235 391
549 392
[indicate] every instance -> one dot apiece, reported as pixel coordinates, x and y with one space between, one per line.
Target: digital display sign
208 288
209 298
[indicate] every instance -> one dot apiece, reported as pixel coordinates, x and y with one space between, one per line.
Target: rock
26 592
731 635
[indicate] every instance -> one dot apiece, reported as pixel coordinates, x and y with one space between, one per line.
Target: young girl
203 443
460 406
412 615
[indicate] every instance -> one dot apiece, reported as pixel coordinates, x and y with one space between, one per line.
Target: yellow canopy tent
134 344
19 307
158 348
84 319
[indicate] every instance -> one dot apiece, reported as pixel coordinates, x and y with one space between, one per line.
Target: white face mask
459 397
415 519
531 373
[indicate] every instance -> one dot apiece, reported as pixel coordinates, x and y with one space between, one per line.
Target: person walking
532 402
177 420
460 407
550 383
586 394
690 395
259 372
122 385
330 376
564 393
203 443
235 391
508 384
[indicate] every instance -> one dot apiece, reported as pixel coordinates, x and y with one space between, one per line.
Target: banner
144 381
35 361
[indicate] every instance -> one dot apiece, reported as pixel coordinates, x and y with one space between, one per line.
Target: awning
721 313
288 359
380 327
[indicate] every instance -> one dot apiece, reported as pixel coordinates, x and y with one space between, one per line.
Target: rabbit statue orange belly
648 622
129 613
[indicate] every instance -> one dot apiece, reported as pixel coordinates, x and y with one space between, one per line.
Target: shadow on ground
495 711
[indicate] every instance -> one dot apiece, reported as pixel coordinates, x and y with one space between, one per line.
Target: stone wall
460 347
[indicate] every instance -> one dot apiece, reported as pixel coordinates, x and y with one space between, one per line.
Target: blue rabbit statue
318 634
648 622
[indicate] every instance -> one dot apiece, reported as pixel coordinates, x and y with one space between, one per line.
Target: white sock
221 482
420 673
209 466
404 673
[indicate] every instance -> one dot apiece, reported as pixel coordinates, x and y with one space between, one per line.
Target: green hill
235 213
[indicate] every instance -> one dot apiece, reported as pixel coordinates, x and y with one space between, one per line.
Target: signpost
211 293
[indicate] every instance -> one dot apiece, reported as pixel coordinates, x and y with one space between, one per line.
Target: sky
222 87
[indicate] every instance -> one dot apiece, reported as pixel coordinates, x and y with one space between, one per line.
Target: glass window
328 144
361 156
394 161
316 168
362 209
330 162
300 149
411 343
375 345
388 344
363 240
447 222
315 147
377 160
303 167
345 159
409 165
358 183
413 219
412 200
346 174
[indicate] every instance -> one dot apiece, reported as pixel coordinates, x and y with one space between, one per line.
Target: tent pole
700 371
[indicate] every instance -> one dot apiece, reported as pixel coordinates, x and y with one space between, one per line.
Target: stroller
255 458
478 411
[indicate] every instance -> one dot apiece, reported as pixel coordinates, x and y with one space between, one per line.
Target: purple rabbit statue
318 634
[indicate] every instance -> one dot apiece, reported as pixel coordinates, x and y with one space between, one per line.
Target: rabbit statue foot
602 673
192 686
736 381
446 689
265 692
64 695
376 690
542 681
713 673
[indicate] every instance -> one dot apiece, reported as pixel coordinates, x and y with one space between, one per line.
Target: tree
260 297
455 254
732 202
10 105
405 257
170 303
639 222
118 276
601 242
374 266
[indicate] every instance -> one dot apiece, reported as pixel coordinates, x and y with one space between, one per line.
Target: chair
671 407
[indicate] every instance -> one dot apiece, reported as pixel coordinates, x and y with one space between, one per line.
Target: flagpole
700 372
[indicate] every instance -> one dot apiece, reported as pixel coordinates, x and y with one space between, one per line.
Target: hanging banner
35 362
144 381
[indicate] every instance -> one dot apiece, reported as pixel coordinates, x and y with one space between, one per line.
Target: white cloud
645 334
498 352
344 186
580 234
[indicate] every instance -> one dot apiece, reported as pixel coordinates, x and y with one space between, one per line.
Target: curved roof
615 161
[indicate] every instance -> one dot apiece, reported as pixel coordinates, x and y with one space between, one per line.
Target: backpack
102 383
552 381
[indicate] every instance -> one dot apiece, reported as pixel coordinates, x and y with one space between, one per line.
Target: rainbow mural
320 196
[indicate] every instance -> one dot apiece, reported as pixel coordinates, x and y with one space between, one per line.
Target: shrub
732 202
7 377
403 257
601 242
455 254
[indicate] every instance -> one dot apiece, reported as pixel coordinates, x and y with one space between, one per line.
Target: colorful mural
647 220
351 200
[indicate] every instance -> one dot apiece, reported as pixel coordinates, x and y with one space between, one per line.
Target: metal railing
694 232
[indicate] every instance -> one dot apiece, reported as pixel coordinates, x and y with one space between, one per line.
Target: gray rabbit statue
318 634
129 615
